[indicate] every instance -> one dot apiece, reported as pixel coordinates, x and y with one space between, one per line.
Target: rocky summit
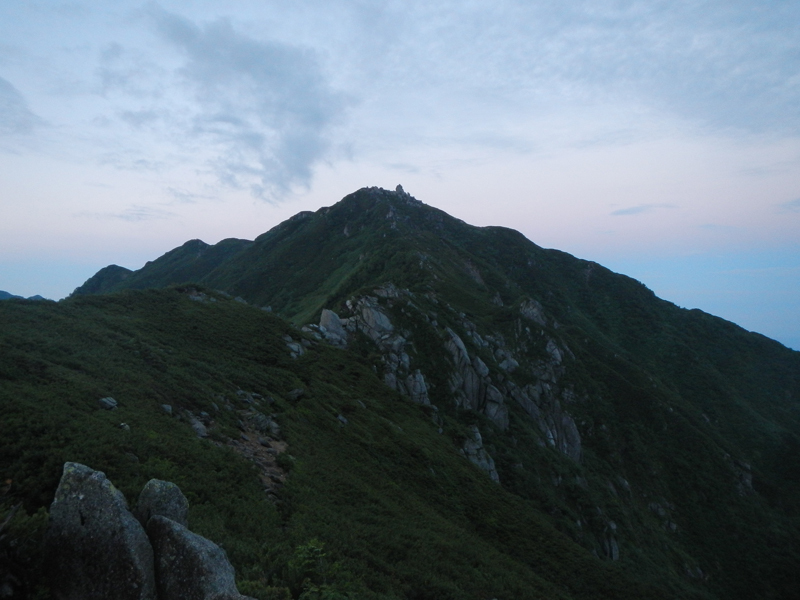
378 400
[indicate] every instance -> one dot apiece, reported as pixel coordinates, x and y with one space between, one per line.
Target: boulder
296 394
94 547
554 351
162 498
374 323
199 427
188 566
480 367
295 349
334 332
108 403
509 364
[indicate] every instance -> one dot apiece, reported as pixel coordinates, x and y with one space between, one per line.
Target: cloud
716 64
185 197
789 207
725 65
405 167
15 116
139 118
639 210
130 73
131 214
259 112
718 228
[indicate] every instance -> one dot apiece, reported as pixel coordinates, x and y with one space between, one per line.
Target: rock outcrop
162 498
331 327
533 310
471 384
483 366
188 566
475 452
94 547
541 403
370 318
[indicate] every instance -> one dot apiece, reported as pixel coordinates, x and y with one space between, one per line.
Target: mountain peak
627 420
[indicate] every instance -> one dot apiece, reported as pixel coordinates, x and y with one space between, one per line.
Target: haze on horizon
660 139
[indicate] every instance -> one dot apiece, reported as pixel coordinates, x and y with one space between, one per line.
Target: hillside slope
280 455
661 439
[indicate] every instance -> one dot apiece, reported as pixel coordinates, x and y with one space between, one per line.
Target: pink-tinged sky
661 139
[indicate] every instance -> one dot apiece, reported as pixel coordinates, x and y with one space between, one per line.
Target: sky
658 138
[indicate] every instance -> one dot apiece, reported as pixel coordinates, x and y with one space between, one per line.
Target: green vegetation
689 425
386 503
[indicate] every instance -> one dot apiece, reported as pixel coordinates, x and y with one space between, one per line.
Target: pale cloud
640 209
716 227
260 112
186 197
404 167
133 214
15 116
793 206
139 118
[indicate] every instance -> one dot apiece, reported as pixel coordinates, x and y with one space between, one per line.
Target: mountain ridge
9 296
656 438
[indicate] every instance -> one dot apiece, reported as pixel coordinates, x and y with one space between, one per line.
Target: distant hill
615 445
7 296
194 261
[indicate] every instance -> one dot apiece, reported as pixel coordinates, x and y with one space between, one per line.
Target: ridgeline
377 400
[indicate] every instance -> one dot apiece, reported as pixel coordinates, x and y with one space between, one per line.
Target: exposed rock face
369 318
478 388
94 546
188 566
533 310
471 384
374 323
162 498
473 449
543 406
416 388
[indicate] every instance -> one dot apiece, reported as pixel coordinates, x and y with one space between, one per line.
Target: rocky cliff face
472 384
369 318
